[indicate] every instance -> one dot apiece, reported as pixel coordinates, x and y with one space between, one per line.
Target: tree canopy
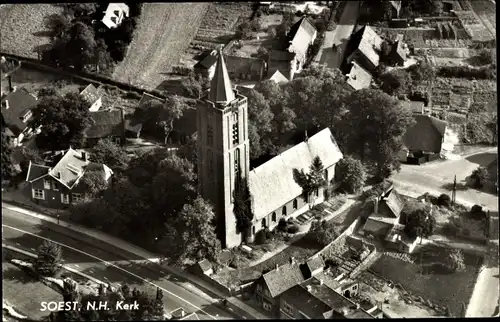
420 223
8 168
350 174
111 154
311 181
64 120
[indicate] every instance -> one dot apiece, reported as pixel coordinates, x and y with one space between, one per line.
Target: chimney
306 137
14 88
277 267
10 83
6 103
292 260
309 288
84 156
183 313
375 206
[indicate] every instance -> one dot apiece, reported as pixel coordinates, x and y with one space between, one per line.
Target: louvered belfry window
235 129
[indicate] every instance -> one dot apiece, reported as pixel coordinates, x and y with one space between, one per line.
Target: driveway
339 37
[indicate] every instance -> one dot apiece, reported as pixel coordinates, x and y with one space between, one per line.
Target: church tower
223 149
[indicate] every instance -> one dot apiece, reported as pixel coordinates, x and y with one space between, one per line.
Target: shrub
322 232
455 261
486 56
49 260
467 72
260 237
293 229
478 177
282 224
450 229
444 200
269 234
477 213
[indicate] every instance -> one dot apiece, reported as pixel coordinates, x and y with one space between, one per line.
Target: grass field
22 28
163 33
427 279
24 293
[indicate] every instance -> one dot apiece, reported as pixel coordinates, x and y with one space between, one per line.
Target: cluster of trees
49 259
418 220
80 40
322 232
154 203
8 168
311 181
401 82
350 174
478 178
319 98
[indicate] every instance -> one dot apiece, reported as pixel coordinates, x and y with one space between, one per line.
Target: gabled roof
105 124
281 279
110 13
301 35
90 94
377 226
272 184
313 266
370 44
358 77
396 5
221 89
278 77
36 171
394 203
20 102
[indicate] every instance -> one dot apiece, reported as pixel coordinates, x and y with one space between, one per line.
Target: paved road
102 261
416 180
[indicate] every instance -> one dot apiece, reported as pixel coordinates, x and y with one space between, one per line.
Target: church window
326 174
316 192
283 211
273 217
263 224
210 134
253 230
235 129
236 160
295 204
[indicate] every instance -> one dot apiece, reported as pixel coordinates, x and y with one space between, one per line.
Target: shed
203 267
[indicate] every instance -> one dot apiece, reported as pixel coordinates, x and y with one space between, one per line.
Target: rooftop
221 89
301 35
105 124
283 278
278 77
358 77
19 103
370 44
90 94
272 184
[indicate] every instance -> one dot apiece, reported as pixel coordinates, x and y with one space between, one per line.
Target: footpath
201 285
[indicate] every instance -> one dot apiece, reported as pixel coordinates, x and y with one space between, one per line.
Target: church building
224 155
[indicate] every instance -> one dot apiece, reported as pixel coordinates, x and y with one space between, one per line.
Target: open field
163 33
22 29
24 293
427 278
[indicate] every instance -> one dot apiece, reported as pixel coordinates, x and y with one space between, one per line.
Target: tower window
210 134
210 162
236 160
235 129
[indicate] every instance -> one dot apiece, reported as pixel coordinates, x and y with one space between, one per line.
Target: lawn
225 16
163 34
427 278
24 293
22 29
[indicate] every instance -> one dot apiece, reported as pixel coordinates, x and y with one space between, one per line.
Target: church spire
221 90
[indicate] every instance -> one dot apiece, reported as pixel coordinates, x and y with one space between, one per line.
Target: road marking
110 264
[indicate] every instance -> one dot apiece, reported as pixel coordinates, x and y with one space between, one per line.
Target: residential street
414 180
339 37
98 261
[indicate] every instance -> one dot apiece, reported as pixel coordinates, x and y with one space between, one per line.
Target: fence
83 76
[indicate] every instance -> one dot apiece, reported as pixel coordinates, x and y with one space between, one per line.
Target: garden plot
428 279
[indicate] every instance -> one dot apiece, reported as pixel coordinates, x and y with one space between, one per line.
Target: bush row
468 72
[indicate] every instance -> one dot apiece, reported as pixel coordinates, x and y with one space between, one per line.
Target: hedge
467 72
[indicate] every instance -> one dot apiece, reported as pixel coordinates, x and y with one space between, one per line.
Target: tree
49 259
93 183
244 30
79 47
111 154
455 261
423 71
395 82
437 7
271 32
311 181
173 110
420 223
444 200
387 10
64 120
242 206
383 120
58 24
260 119
322 232
8 169
195 84
478 177
350 174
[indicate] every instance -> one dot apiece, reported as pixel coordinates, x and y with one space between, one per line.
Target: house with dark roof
17 109
58 185
358 77
312 267
105 125
272 284
426 135
93 97
364 46
292 59
322 297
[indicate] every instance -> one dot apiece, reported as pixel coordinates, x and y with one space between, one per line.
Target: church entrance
263 223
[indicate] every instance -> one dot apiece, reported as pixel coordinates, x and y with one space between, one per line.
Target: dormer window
26 116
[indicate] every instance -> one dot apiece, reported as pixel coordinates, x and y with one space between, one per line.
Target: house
278 77
399 51
292 59
93 97
426 135
223 157
322 297
395 9
364 47
105 125
243 68
416 107
358 77
57 186
16 113
272 284
181 314
114 14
